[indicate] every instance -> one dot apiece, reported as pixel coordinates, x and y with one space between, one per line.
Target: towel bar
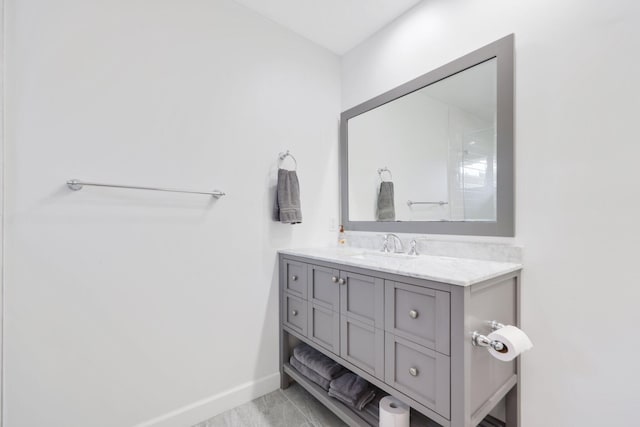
77 185
411 203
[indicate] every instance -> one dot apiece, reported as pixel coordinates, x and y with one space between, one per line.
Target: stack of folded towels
331 376
315 366
352 390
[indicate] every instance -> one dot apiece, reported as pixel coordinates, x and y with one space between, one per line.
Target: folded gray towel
309 373
318 362
373 407
287 206
352 390
386 210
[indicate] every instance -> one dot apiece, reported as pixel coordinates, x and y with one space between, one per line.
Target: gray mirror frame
503 51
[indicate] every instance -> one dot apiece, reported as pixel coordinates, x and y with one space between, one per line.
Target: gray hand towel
386 210
352 390
287 204
318 362
309 373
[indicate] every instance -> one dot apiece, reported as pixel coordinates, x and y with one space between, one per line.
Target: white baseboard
204 409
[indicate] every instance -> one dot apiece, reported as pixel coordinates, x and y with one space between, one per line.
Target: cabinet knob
413 372
413 314
294 312
334 279
341 281
294 278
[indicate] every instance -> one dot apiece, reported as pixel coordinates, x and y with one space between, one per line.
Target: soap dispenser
342 237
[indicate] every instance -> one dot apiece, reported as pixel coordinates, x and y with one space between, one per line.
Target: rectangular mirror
435 155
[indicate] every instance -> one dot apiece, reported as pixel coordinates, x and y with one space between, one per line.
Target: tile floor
293 407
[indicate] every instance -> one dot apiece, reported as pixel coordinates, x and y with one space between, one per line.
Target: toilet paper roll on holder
480 340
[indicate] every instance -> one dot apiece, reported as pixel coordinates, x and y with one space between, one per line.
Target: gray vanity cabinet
410 337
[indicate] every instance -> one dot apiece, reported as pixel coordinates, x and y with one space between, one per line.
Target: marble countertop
455 271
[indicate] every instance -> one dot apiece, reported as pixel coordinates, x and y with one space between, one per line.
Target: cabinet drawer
362 345
419 372
295 278
324 289
294 313
418 314
362 298
324 327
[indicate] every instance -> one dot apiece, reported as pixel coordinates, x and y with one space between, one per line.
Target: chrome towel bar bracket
76 185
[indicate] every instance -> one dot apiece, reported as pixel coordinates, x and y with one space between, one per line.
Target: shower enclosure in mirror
435 155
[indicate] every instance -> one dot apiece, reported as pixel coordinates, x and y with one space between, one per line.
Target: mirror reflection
429 155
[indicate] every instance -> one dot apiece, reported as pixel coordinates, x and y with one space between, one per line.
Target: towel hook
383 170
283 156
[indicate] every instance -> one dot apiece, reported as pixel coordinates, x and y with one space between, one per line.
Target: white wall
123 306
2 114
577 103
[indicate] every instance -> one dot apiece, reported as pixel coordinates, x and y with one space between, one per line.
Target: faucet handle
385 244
413 250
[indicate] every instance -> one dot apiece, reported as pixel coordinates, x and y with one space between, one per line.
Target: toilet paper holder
480 340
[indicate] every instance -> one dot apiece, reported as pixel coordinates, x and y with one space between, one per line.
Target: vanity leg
512 414
285 380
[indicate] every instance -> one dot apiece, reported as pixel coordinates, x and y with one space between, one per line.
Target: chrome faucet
385 244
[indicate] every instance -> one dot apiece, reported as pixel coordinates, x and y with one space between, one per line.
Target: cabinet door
363 345
295 278
362 298
418 314
324 327
419 372
324 290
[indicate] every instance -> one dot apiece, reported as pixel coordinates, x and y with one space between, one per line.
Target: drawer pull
341 281
294 312
413 372
334 279
294 278
413 314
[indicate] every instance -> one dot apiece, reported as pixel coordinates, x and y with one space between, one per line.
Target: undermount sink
385 255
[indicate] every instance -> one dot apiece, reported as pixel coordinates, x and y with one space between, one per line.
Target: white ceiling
338 25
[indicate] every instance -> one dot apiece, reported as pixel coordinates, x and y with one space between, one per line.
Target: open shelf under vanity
364 418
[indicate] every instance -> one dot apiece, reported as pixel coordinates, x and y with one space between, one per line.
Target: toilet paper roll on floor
515 342
393 413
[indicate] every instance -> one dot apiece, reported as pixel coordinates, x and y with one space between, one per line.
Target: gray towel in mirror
386 210
318 362
287 205
352 390
309 373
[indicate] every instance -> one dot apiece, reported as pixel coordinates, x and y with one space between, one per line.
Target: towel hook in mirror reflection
383 170
283 156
